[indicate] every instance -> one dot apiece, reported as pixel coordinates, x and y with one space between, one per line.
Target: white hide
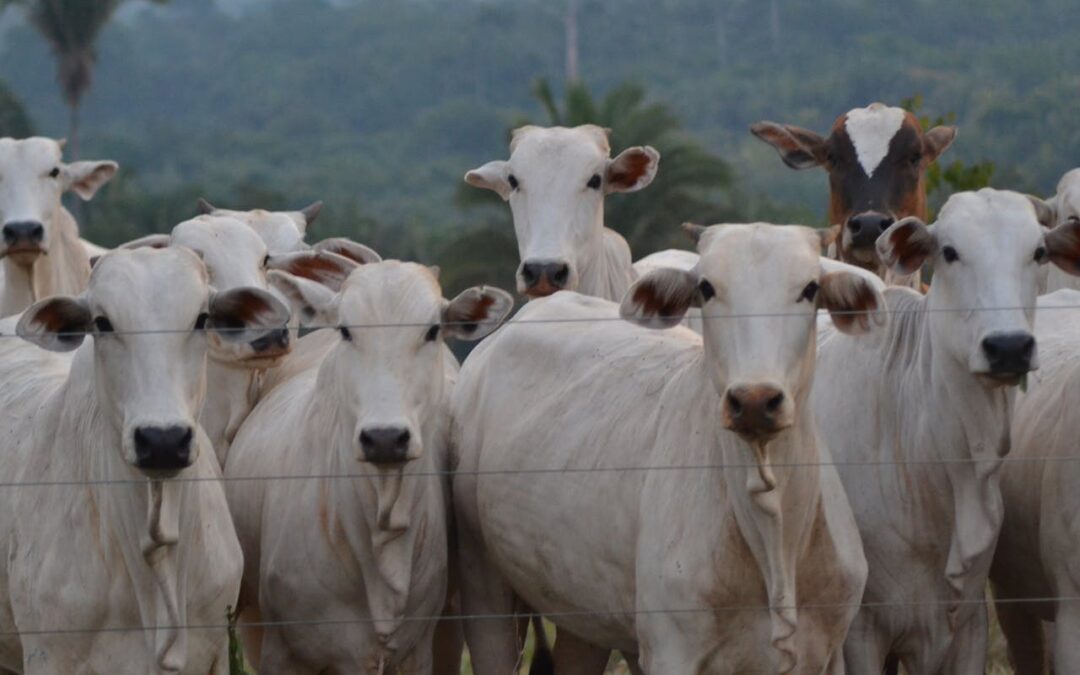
84 556
372 546
558 217
547 417
33 177
919 428
281 231
871 130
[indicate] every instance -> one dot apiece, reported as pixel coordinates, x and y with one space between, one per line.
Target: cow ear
86 178
312 302
491 176
906 245
1063 246
347 248
245 313
799 148
58 324
328 269
149 241
852 296
1045 211
476 312
937 141
661 298
632 170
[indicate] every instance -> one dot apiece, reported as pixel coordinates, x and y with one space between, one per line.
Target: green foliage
236 649
14 121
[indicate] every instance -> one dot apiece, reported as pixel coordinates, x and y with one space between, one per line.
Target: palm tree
71 27
14 121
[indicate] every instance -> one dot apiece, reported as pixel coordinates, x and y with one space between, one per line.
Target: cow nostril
530 273
774 403
886 223
560 274
734 405
854 226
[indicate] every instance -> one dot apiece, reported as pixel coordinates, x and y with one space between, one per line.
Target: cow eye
594 182
950 254
55 172
103 325
345 334
513 181
916 158
200 321
707 290
809 293
1040 254
432 334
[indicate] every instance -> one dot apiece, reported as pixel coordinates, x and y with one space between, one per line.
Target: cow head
32 179
985 250
150 311
386 373
1065 204
877 159
556 180
281 231
759 288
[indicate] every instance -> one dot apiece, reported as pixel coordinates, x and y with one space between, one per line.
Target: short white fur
871 129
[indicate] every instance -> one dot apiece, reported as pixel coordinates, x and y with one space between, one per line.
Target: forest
378 107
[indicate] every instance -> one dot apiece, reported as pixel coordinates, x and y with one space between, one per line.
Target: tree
71 27
14 122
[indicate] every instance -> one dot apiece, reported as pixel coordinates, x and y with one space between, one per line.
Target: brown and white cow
876 158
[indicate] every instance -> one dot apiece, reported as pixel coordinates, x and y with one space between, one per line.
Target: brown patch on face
1063 246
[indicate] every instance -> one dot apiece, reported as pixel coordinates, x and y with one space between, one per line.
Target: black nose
275 339
385 445
544 277
163 448
865 228
1009 353
24 232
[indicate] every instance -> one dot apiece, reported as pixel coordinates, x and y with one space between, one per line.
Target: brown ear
661 298
476 312
906 245
58 324
245 313
852 301
347 248
328 269
632 170
799 148
1063 246
937 141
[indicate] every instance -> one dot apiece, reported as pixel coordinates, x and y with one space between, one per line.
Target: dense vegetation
379 106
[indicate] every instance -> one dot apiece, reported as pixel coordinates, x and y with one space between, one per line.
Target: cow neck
374 514
138 519
65 270
608 274
230 397
18 292
978 420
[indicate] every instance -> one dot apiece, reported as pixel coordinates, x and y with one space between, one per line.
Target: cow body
620 567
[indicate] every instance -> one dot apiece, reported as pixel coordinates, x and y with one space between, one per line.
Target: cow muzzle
386 445
163 450
1009 356
540 278
271 346
756 412
23 241
861 233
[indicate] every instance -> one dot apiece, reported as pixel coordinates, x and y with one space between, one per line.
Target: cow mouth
23 253
541 290
1003 379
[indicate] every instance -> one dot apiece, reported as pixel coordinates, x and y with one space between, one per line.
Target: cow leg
574 656
634 663
1066 646
1024 638
492 636
967 655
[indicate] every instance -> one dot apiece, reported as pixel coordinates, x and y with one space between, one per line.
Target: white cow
1039 545
367 545
919 420
283 231
106 542
39 240
236 256
554 422
1063 207
555 181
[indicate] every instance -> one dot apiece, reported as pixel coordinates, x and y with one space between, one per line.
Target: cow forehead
150 288
223 236
871 130
558 147
759 255
390 292
34 152
1068 193
996 221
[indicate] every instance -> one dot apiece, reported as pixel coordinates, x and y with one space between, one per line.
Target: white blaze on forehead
871 129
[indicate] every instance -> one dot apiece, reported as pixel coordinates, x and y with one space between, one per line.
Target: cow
118 552
236 256
1063 207
559 420
876 158
918 419
1038 547
555 181
40 248
283 231
366 542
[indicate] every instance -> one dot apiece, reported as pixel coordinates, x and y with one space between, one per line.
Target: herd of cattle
759 458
